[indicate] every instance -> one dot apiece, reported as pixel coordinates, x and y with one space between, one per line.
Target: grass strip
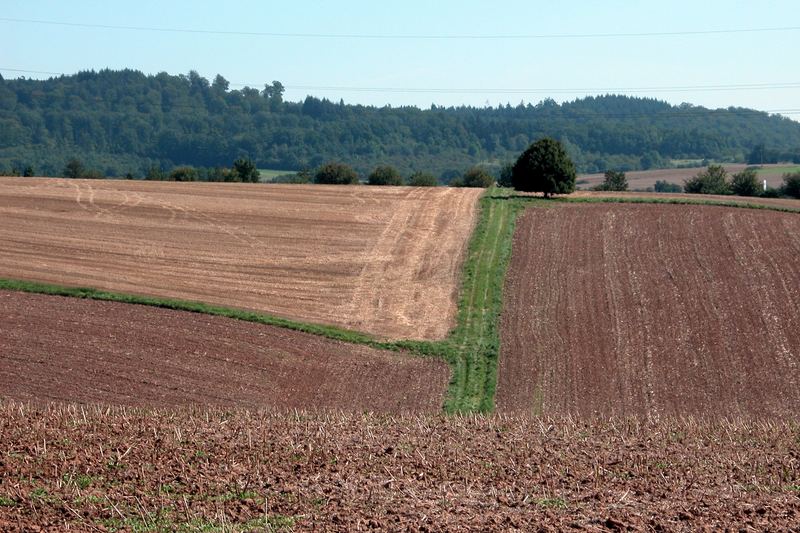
331 332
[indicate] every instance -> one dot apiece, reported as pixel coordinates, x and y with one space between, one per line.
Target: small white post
765 185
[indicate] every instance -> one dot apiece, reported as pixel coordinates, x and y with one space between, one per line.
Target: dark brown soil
54 348
652 310
95 469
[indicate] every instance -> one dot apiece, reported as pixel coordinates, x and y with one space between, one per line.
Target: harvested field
652 310
86 351
383 260
238 471
642 179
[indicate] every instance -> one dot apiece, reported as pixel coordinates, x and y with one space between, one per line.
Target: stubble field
383 260
100 469
652 310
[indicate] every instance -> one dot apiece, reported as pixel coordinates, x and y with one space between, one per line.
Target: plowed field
65 349
652 310
384 260
85 469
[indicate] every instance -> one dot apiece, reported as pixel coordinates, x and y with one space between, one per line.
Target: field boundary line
674 201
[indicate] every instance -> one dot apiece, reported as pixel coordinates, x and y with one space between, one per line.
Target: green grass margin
472 348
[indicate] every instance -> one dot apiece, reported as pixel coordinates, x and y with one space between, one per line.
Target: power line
403 36
518 90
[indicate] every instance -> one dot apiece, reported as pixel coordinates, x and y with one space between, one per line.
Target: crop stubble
62 349
383 260
652 310
240 471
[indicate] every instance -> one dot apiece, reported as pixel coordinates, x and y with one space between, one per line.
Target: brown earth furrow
54 348
384 260
652 310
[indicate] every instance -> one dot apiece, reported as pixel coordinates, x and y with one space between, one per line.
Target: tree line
126 122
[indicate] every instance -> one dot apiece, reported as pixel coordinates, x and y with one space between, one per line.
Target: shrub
183 174
422 179
665 186
336 174
384 175
614 181
246 170
474 177
791 184
154 173
505 175
745 183
74 169
713 180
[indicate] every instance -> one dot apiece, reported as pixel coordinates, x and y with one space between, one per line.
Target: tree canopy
544 167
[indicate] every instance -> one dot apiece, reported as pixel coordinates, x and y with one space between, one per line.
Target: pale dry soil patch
383 260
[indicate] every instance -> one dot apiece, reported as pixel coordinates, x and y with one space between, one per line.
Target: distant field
383 260
652 310
773 203
642 179
87 351
269 174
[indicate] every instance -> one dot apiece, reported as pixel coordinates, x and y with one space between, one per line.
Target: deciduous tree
544 167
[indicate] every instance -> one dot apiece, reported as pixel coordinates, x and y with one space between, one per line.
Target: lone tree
336 174
384 175
544 167
614 181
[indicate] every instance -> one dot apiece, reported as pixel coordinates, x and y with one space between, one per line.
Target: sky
420 53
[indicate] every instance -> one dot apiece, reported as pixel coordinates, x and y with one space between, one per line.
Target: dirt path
383 260
64 349
652 310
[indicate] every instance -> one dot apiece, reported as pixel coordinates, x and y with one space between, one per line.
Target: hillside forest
127 123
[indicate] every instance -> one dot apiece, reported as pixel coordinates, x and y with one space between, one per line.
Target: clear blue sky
464 71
